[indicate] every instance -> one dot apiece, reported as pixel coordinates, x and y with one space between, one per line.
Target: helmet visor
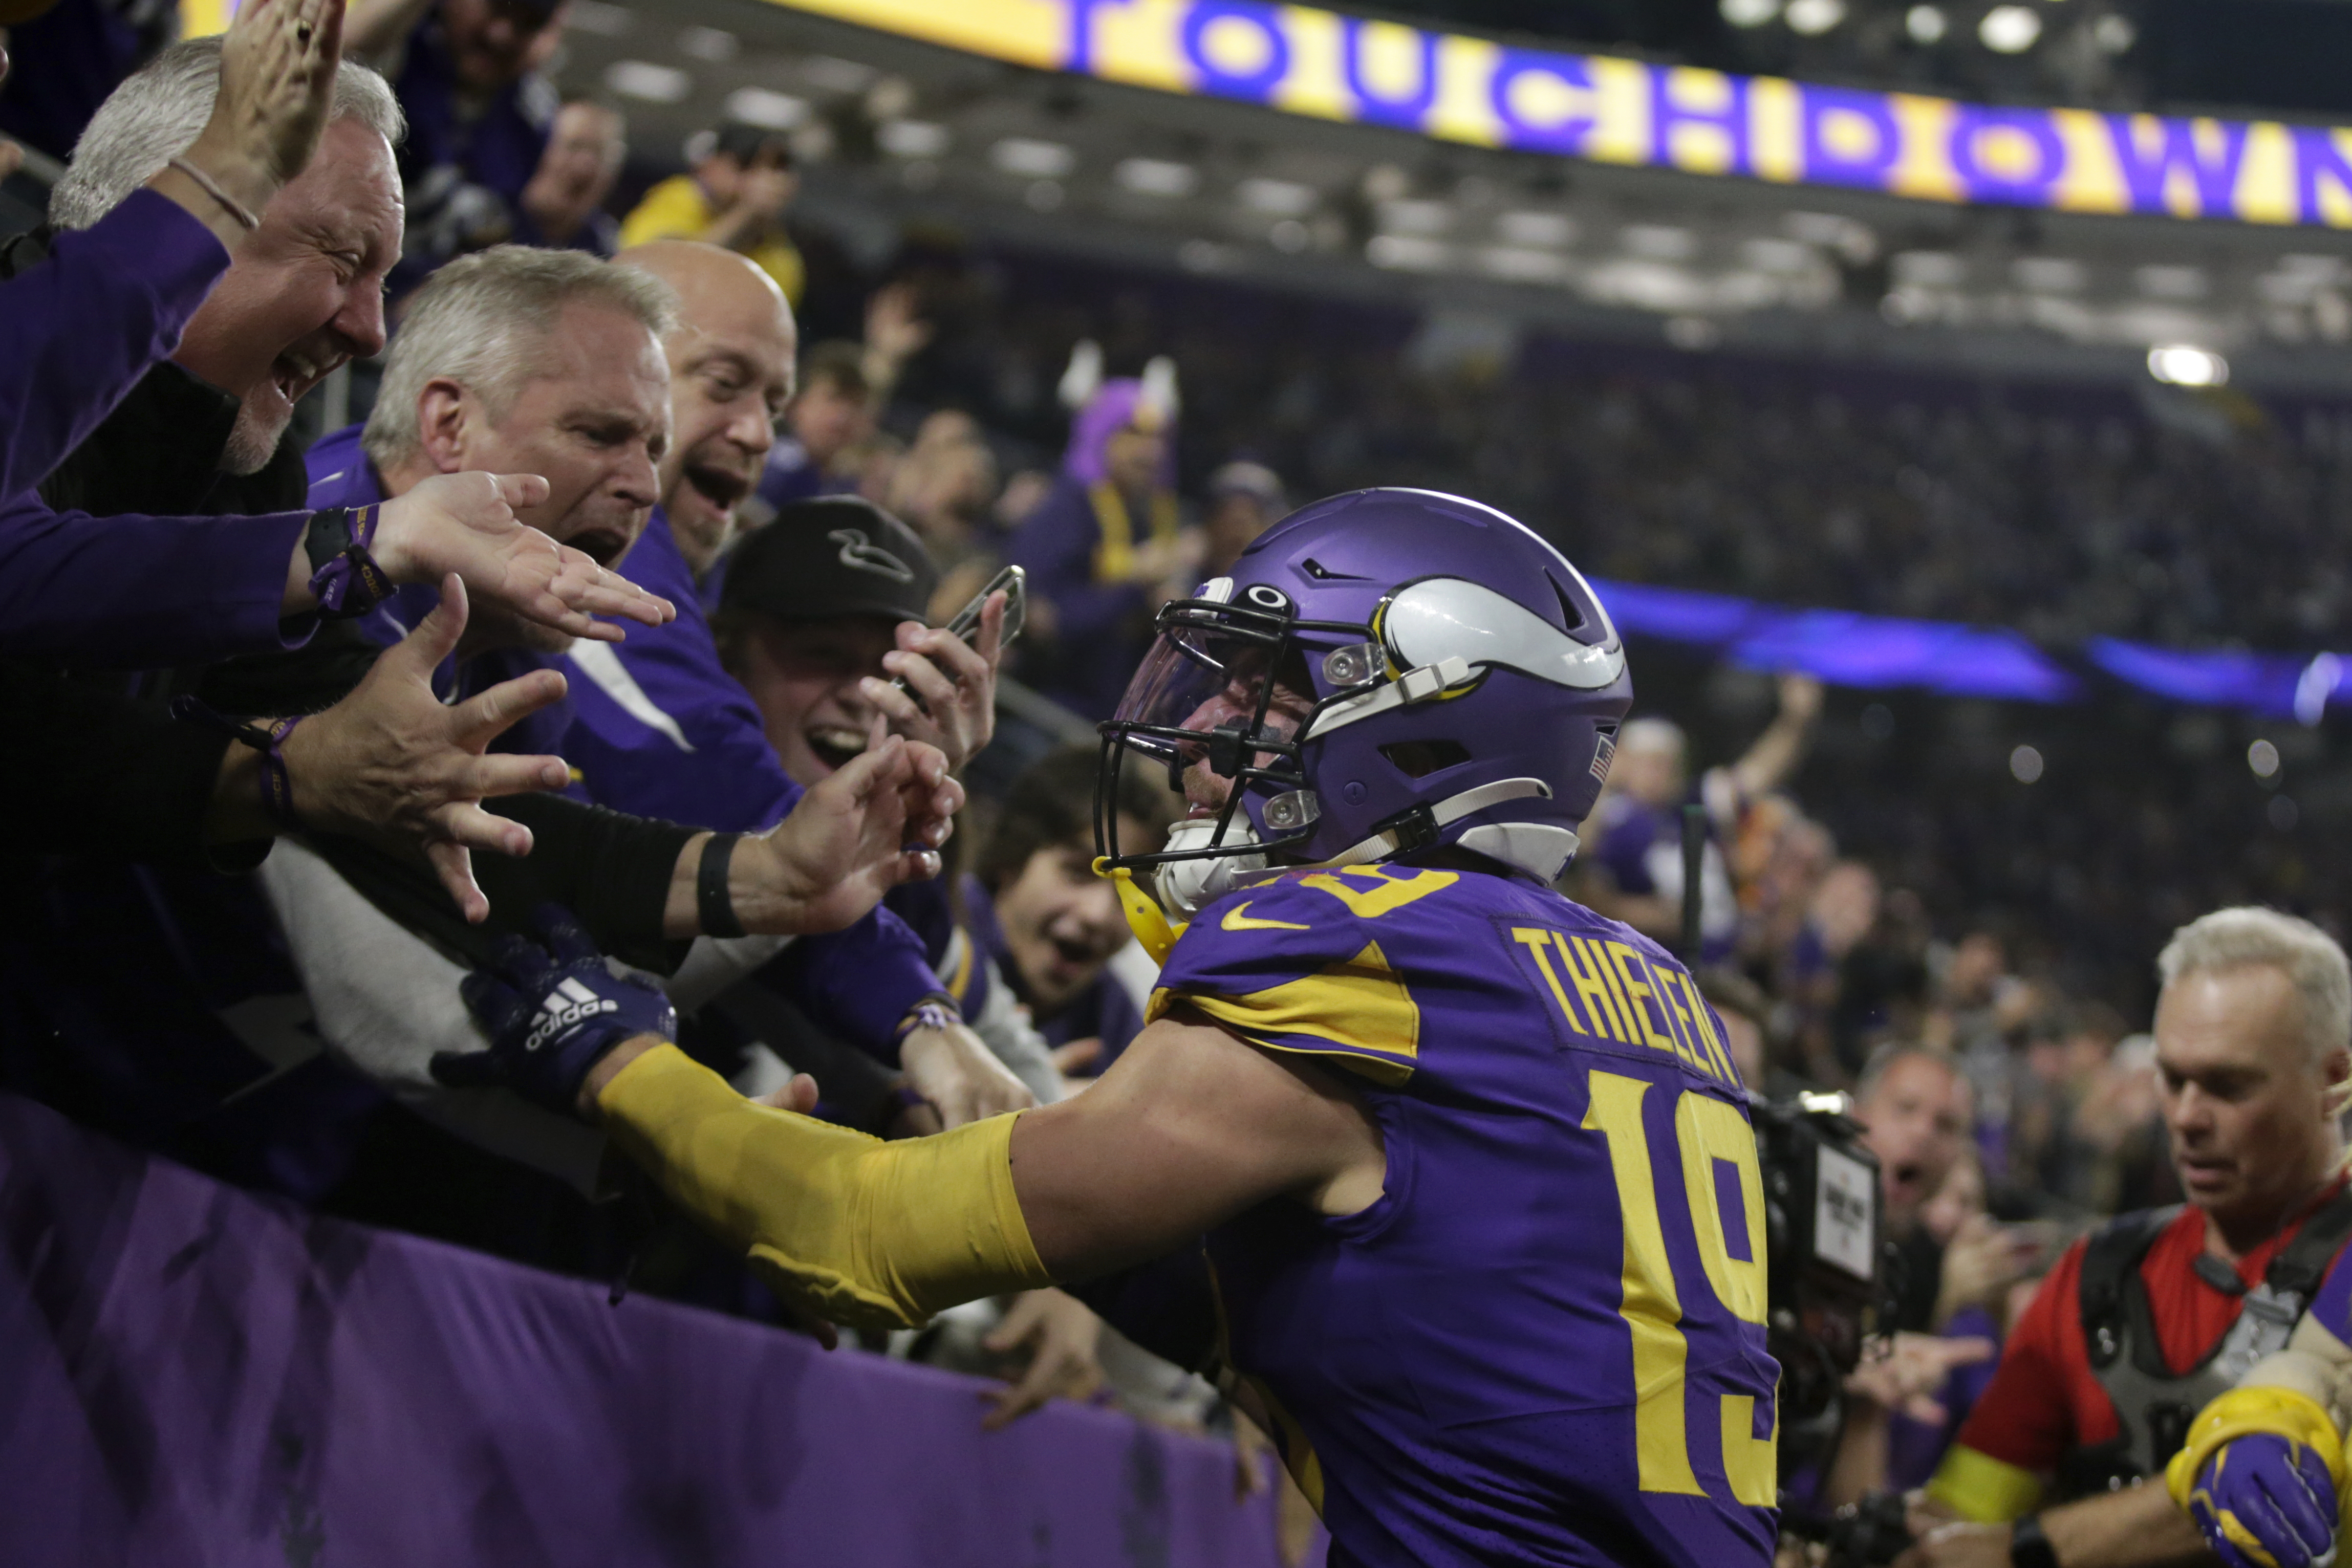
1201 677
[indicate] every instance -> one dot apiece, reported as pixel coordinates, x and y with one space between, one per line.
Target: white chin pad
1186 887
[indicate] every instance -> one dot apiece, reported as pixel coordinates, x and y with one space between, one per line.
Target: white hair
480 320
160 110
2308 956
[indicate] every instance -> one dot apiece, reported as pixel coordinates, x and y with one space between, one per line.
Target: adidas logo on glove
568 1004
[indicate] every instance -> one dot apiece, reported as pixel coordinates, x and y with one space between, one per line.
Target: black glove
552 1013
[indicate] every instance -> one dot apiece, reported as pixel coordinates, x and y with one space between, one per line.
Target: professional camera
1824 1280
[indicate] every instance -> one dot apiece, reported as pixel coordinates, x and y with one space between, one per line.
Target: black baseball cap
835 554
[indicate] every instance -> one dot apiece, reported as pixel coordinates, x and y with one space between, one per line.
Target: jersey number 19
1706 1130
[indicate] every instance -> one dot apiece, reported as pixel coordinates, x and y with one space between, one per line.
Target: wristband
344 579
929 1013
2028 1547
211 187
277 784
713 905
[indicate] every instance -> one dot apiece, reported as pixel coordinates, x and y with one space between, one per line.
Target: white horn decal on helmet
1446 617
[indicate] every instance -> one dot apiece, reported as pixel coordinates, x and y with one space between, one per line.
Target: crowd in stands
1121 438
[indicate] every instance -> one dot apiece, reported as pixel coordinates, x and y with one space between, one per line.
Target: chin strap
1442 814
1152 928
1144 917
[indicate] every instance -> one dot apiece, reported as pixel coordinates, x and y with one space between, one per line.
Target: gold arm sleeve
1984 1490
864 1233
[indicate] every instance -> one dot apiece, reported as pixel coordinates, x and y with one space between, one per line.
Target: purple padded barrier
193 1375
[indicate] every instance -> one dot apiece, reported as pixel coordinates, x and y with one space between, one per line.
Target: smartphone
1013 583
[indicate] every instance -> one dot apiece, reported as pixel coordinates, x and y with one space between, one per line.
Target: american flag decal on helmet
1601 754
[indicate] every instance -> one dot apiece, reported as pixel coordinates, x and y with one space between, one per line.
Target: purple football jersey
1545 1343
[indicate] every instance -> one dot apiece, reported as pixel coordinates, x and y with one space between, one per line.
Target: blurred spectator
563 205
834 421
1915 1103
1244 500
943 486
833 411
467 73
1051 925
1104 551
84 50
1745 1013
739 182
1634 869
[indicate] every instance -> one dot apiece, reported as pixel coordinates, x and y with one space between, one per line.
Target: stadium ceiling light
1930 270
1289 236
1778 255
835 75
1033 159
709 43
596 16
2025 764
1535 228
1660 242
1926 24
1156 177
1278 198
648 82
2048 274
912 138
1748 13
1520 264
1814 17
2262 759
768 111
2009 29
1407 253
2172 282
1416 217
2179 365
2114 33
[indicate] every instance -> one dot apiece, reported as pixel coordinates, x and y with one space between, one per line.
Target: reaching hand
276 80
1063 1337
961 1077
1907 1375
894 330
2266 1500
466 524
874 824
957 683
390 760
552 1013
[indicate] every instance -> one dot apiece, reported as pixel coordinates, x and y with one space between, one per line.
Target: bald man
732 373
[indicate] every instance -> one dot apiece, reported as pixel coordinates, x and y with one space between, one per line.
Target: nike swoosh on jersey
1238 919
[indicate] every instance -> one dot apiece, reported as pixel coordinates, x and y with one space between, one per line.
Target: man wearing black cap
809 622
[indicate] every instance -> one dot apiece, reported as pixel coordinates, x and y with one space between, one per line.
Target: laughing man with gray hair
2162 1314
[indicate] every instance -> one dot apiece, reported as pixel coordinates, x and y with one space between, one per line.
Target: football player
1449 1178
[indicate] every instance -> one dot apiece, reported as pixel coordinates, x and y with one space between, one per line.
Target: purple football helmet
1383 671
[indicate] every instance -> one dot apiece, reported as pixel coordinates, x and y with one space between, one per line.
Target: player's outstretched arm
1189 1127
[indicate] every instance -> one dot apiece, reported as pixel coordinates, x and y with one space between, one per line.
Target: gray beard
251 444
